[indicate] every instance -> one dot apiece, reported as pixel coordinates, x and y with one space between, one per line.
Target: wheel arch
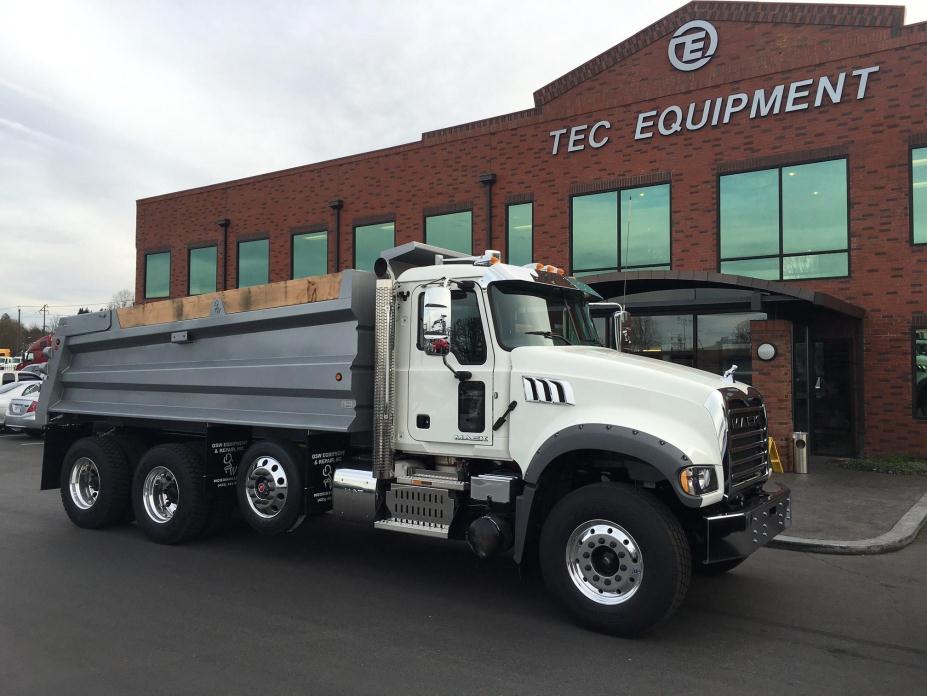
583 454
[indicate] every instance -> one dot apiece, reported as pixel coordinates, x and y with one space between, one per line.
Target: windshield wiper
550 334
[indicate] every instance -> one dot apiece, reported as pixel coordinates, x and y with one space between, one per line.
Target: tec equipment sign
693 45
690 47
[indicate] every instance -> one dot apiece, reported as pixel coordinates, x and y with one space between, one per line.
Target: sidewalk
838 510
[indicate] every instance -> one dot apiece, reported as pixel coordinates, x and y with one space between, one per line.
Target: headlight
714 404
696 480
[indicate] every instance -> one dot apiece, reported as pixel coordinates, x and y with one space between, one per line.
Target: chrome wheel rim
84 483
160 494
604 562
267 487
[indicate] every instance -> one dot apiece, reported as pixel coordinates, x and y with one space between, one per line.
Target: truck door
443 408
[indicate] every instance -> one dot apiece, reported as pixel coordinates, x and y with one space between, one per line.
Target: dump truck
451 396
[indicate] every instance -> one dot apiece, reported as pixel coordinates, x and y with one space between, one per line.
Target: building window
919 195
370 241
787 223
711 342
201 270
309 252
253 262
157 275
519 240
452 231
621 230
919 342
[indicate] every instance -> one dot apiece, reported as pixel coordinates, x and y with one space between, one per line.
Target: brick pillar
774 380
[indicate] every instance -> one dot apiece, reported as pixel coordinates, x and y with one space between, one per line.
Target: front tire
168 494
615 557
95 483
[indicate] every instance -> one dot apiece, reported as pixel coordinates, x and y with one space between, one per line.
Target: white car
15 390
20 376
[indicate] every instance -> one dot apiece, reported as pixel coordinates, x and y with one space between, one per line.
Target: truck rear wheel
95 483
270 486
615 558
168 495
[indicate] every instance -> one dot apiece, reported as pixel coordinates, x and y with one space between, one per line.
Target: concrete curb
903 533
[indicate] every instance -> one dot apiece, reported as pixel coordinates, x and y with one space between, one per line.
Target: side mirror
436 321
620 320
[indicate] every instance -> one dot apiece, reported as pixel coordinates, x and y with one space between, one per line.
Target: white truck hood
609 366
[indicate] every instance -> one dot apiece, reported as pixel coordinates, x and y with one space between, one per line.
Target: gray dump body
273 367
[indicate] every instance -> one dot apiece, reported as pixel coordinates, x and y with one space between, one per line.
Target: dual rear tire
166 491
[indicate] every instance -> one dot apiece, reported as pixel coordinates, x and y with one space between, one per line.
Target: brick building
739 174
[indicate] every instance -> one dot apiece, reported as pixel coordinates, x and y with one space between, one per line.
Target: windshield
534 314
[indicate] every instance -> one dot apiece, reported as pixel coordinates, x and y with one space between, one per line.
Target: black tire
134 449
712 569
177 473
277 466
100 495
654 585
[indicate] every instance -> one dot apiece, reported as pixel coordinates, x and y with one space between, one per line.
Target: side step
418 509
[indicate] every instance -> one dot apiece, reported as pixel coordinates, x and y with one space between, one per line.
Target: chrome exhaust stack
384 383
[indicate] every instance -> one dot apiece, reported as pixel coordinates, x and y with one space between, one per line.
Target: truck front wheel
615 557
95 483
168 495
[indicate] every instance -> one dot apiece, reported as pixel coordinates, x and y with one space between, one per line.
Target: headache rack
746 462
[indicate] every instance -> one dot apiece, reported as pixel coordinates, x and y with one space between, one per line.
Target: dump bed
297 354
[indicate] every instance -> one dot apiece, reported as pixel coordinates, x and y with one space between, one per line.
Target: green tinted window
310 254
253 264
595 232
453 231
767 269
814 207
370 241
750 214
634 234
520 231
157 275
202 270
776 223
919 194
645 226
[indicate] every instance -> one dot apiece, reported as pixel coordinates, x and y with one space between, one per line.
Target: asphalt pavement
342 609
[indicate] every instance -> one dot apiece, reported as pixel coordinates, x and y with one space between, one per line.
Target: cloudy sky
104 102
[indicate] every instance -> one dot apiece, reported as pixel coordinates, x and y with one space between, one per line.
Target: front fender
663 456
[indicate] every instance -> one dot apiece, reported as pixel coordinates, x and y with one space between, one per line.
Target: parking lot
342 609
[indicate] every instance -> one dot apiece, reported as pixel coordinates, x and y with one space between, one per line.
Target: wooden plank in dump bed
282 294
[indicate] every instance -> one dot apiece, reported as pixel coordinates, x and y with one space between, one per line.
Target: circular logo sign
692 45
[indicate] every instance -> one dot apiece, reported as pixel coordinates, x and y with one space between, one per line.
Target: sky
103 102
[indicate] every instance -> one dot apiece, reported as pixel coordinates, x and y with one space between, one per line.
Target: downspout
337 205
224 224
487 179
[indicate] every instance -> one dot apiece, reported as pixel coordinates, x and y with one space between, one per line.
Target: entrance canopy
675 288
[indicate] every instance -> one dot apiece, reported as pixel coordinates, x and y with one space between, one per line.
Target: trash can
800 452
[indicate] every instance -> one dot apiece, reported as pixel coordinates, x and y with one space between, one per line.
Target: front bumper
738 533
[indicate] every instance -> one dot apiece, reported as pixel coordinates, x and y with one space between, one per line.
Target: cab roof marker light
489 257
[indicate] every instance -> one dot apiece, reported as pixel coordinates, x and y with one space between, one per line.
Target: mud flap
224 446
324 454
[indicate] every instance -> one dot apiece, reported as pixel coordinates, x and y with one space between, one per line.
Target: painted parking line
27 444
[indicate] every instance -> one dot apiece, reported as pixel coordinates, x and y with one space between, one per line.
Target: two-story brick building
750 178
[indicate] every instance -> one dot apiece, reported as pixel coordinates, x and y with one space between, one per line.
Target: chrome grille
746 461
